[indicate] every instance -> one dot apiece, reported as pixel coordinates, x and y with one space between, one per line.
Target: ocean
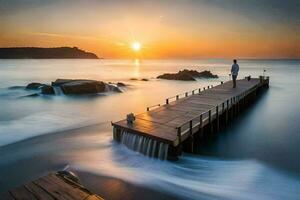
256 157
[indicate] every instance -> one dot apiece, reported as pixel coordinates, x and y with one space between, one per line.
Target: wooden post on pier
217 119
179 146
191 137
210 122
238 104
167 101
227 110
231 106
201 126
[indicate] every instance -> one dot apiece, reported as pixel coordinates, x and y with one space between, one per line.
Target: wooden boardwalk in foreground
186 114
52 187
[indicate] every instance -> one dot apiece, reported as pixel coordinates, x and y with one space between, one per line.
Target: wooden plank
59 189
21 193
52 187
38 192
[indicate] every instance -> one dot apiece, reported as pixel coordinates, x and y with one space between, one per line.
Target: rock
116 89
133 79
80 87
187 75
205 74
16 87
32 95
59 82
34 86
178 76
76 87
112 88
48 90
144 79
120 84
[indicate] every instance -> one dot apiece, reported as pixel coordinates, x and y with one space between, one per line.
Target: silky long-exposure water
255 158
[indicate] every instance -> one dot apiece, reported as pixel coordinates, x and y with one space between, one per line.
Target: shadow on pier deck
164 130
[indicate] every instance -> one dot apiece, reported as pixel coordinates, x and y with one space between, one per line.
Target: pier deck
54 186
173 122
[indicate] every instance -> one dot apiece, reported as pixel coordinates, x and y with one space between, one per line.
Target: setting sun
136 46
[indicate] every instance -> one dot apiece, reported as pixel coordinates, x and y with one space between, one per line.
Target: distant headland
45 53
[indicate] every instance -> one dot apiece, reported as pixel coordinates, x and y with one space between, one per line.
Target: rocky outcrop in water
187 75
81 87
75 87
120 84
48 90
34 86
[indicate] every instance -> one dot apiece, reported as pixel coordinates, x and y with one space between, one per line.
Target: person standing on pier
234 72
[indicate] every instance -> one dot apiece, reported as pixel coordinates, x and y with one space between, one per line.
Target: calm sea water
255 158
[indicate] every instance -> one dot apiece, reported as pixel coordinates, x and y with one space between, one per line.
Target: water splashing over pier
144 145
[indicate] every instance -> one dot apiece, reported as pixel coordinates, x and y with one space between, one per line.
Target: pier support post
238 104
210 122
179 146
191 138
201 126
227 110
217 119
231 106
235 106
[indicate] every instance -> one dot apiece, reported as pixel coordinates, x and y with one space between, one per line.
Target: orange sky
166 29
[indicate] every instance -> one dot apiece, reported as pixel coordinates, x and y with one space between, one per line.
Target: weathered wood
22 193
52 187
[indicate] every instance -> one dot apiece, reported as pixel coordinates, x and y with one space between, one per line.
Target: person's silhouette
234 72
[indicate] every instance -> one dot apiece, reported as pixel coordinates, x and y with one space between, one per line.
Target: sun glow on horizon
136 46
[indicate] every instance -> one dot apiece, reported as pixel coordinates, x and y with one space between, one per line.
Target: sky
164 28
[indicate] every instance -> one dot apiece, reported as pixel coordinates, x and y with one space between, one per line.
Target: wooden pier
191 115
54 186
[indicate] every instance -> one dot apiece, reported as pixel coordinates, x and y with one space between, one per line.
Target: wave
38 124
194 177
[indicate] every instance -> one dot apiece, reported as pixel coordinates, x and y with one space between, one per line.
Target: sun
136 46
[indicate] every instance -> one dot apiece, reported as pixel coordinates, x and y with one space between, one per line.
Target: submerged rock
120 84
48 90
112 88
187 75
31 95
16 87
34 86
